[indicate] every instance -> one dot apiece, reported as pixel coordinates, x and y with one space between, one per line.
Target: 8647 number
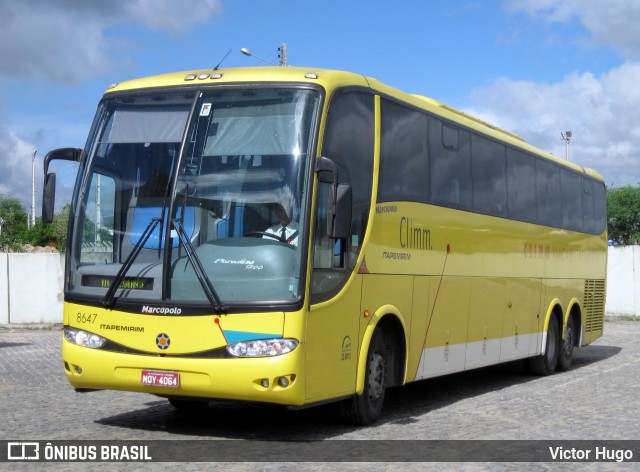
86 318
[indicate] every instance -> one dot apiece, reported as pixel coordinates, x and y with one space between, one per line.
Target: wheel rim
568 342
376 377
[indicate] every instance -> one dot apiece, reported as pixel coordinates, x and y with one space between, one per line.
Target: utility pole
283 54
566 137
33 188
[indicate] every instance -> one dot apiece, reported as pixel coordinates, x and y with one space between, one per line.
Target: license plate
160 378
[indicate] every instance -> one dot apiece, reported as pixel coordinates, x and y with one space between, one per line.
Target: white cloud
170 15
56 46
602 112
612 23
16 168
65 40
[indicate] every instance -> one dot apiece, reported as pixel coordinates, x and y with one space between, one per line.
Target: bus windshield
184 194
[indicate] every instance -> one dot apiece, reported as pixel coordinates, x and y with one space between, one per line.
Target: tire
365 409
545 364
567 346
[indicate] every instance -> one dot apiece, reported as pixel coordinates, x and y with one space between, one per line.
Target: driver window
324 247
349 142
328 271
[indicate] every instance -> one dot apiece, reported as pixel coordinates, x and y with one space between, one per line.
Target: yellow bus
299 236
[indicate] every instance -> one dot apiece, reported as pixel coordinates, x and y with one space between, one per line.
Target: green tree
14 223
54 234
58 228
36 235
623 206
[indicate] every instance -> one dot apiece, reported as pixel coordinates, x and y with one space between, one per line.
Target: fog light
78 369
283 382
264 383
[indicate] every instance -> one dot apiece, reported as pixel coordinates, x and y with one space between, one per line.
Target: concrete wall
31 285
31 288
623 281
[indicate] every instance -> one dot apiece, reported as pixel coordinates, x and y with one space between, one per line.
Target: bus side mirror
48 198
340 224
340 199
327 170
49 190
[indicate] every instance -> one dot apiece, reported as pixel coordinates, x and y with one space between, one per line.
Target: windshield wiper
109 298
202 276
198 268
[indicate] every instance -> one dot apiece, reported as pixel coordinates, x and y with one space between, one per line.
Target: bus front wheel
545 364
365 409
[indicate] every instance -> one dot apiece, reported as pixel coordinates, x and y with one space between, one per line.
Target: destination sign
128 283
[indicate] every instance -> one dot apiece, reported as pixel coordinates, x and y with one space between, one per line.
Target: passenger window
450 165
588 206
450 138
404 160
600 207
489 176
548 193
570 183
521 189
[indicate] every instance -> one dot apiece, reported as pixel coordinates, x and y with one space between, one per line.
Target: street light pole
566 137
33 188
248 53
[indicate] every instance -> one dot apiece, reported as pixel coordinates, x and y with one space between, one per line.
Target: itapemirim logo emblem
163 341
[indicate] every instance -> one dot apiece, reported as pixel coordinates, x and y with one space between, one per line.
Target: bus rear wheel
365 409
545 364
567 344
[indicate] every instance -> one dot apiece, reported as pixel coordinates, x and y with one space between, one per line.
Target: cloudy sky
534 67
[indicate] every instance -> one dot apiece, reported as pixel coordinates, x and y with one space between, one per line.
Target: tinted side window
349 141
571 184
548 193
404 163
489 176
600 207
450 152
588 206
521 189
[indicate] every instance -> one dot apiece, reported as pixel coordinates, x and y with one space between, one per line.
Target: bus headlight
83 338
262 347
